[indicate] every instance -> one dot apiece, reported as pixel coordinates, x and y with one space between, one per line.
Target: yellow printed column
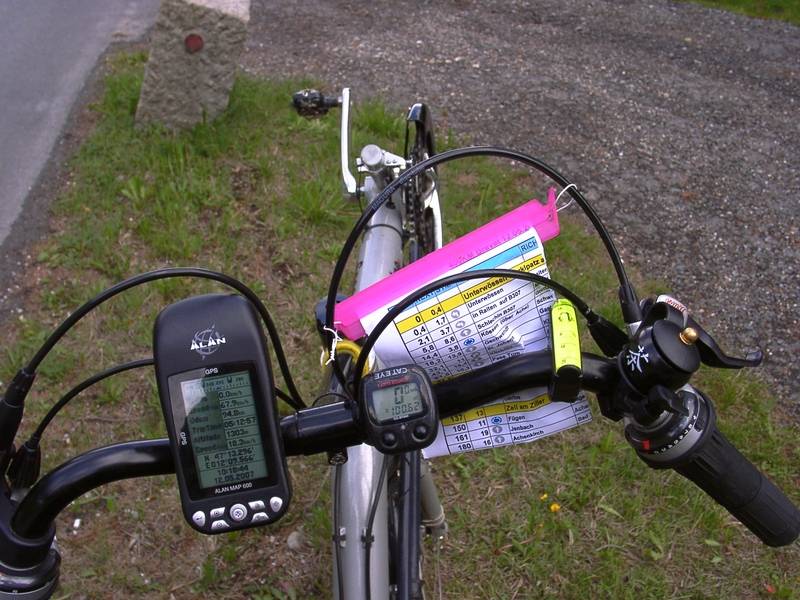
456 432
415 332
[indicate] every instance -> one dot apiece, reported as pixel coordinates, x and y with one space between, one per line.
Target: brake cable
24 467
30 369
599 326
368 537
628 300
86 383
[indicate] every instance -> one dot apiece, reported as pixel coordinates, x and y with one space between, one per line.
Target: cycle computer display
399 411
216 390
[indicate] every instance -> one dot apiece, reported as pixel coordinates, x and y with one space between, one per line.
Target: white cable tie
571 200
336 339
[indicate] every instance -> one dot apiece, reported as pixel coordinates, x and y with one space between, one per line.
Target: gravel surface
679 122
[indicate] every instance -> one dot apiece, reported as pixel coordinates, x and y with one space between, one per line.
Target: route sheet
468 325
514 419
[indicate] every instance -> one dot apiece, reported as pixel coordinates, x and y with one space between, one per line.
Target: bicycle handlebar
493 381
719 469
705 457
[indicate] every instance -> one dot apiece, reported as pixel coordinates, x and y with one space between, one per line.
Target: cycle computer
399 409
216 390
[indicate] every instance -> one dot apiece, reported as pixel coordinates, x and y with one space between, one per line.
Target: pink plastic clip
531 215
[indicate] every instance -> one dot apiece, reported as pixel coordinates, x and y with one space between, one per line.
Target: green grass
256 194
783 10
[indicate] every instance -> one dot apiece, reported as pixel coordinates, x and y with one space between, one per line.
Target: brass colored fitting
688 336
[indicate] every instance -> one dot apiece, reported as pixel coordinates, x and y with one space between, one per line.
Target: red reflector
646 444
193 43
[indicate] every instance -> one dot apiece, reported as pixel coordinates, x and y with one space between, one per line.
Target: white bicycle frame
381 254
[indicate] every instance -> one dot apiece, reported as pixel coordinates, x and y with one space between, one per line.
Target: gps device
399 411
216 390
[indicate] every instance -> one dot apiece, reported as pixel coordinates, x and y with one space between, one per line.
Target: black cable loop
86 383
136 280
368 537
337 541
98 377
387 226
390 316
447 156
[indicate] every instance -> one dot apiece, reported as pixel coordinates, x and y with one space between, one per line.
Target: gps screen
223 429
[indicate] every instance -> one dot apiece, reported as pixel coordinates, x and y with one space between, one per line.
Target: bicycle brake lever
713 356
667 307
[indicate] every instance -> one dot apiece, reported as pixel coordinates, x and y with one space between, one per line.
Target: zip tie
336 339
571 200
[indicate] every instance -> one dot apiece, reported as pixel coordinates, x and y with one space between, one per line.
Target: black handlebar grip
720 470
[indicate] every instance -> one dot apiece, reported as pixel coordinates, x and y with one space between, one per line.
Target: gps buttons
199 518
219 525
238 512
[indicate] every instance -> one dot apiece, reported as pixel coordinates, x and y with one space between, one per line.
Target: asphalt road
48 48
